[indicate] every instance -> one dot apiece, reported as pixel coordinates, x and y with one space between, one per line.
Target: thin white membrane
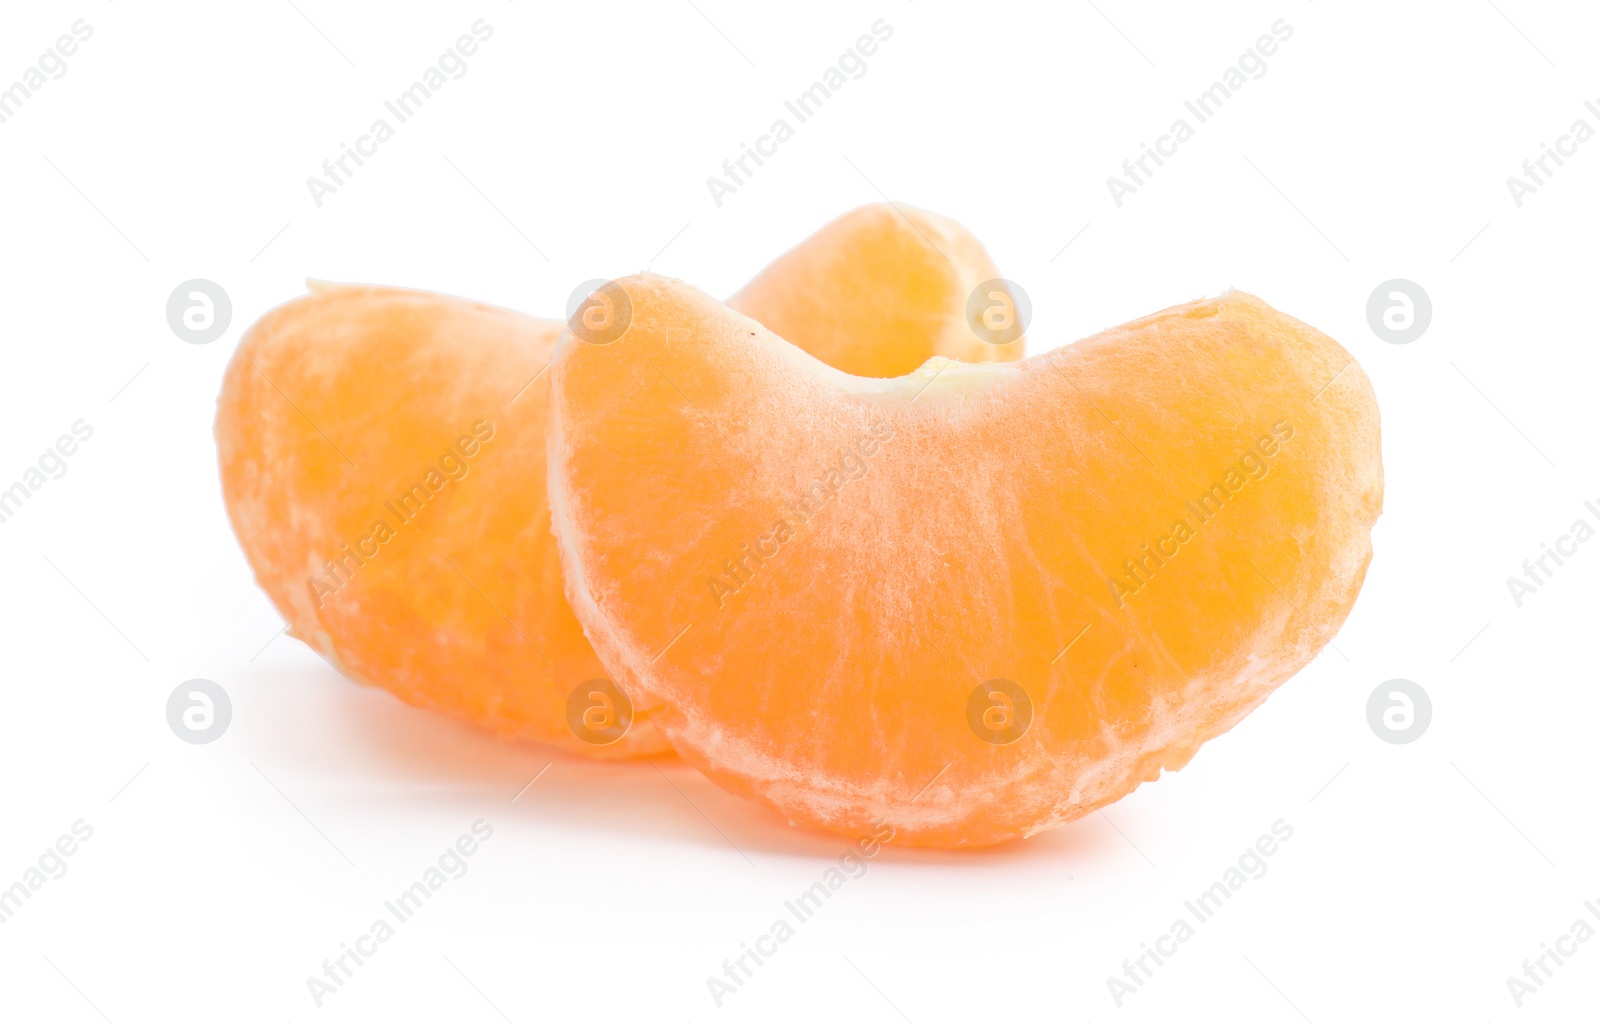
597 627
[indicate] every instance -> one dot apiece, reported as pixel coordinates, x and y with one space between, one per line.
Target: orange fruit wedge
882 289
975 601
382 456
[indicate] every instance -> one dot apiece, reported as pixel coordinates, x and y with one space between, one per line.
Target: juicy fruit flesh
806 575
340 405
878 292
447 605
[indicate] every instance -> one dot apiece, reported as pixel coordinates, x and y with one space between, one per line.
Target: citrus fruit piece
972 602
382 458
882 289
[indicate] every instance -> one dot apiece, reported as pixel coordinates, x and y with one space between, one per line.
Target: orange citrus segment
380 453
971 602
382 456
881 290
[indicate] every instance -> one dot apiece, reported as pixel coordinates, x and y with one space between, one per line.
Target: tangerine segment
969 603
382 455
880 290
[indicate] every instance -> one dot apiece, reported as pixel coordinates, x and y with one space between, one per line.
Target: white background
219 877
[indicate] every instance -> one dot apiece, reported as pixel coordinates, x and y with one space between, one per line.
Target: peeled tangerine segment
383 461
882 289
969 603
